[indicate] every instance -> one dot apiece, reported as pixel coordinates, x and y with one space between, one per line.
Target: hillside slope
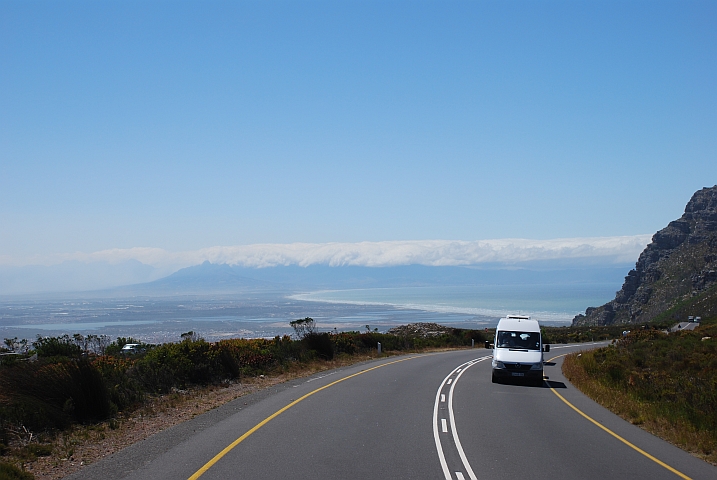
676 273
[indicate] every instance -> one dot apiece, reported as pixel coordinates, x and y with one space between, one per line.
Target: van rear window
523 340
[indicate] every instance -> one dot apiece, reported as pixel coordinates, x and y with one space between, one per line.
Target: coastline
551 304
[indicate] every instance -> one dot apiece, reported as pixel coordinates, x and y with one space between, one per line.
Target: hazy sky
188 125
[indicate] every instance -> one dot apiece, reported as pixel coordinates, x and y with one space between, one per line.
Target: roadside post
379 347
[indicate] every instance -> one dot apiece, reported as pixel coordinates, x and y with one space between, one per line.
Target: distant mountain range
209 278
676 274
200 279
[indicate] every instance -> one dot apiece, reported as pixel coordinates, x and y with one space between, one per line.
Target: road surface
433 416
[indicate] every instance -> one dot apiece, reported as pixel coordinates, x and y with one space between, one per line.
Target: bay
550 304
214 317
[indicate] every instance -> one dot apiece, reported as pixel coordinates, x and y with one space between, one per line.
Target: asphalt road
435 416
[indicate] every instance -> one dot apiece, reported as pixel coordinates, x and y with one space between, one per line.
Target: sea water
213 317
553 304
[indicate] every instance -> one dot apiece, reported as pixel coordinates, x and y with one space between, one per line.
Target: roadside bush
123 389
4 431
199 362
321 344
162 368
9 471
675 374
251 357
63 346
369 340
54 394
558 335
284 349
344 343
65 387
39 450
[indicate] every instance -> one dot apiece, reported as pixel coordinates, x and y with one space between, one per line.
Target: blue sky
187 125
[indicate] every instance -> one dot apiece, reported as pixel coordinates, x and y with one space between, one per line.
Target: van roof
518 323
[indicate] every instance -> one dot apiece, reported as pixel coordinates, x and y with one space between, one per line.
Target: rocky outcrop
423 330
679 263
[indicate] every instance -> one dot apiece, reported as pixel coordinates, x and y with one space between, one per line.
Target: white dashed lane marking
441 398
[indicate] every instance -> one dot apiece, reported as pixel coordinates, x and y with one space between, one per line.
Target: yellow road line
635 447
236 442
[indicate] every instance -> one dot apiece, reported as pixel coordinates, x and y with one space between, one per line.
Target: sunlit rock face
679 263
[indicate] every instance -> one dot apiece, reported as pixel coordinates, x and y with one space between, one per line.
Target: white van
518 350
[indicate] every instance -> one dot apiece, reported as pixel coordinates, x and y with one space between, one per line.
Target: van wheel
538 382
493 378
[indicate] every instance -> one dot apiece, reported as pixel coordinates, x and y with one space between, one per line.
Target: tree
81 341
190 336
16 346
10 344
63 346
98 343
303 327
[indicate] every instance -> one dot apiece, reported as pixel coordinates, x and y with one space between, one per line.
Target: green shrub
344 343
557 335
676 373
39 449
63 387
42 395
321 344
199 362
162 369
123 389
63 346
9 471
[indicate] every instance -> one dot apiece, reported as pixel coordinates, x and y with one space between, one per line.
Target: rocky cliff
678 266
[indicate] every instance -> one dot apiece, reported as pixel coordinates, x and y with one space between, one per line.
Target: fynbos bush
70 383
675 373
54 394
321 344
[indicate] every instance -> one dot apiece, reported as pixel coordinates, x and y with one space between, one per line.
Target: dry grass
644 414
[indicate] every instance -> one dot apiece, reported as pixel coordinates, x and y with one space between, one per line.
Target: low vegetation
9 471
563 335
666 383
58 382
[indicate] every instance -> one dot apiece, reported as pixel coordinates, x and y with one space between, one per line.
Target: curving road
435 416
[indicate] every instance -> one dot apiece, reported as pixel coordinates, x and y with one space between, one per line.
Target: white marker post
379 347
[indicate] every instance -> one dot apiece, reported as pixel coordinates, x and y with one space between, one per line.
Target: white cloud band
372 254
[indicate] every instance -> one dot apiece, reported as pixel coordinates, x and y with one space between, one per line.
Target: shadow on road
550 384
545 384
549 364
